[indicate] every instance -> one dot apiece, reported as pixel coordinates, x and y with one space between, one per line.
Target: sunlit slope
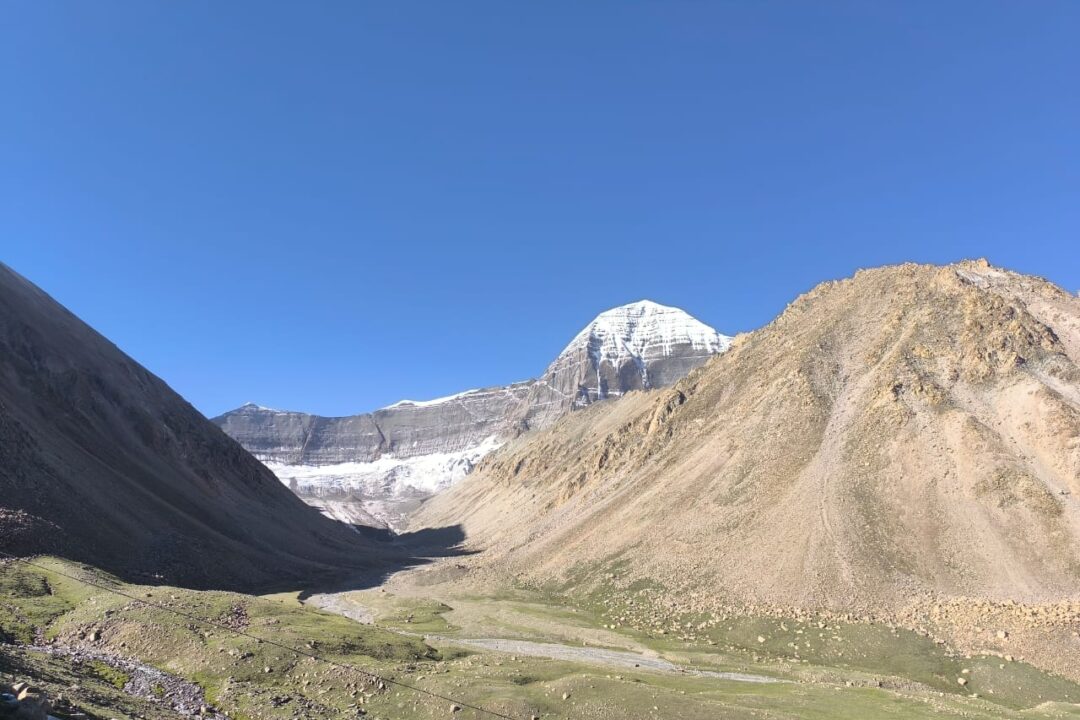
911 432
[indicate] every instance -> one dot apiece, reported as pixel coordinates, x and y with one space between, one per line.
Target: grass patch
117 678
28 602
424 616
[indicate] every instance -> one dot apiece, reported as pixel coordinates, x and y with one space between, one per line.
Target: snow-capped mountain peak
631 347
645 330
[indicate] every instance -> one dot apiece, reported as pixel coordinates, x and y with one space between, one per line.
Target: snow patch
388 476
436 401
250 406
474 394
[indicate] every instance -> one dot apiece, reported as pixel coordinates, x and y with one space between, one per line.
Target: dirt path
593 656
338 604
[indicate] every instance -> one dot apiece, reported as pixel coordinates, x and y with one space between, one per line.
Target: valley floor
518 652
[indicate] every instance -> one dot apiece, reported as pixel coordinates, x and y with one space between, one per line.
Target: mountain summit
371 468
633 347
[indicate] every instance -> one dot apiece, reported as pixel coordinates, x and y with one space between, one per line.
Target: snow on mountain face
633 347
389 475
435 401
645 330
385 489
639 333
382 464
378 466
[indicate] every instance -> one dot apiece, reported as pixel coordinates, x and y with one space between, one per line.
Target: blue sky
331 206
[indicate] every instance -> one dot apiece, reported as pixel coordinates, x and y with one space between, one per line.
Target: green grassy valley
554 659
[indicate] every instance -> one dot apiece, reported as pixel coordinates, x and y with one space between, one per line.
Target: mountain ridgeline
373 467
633 347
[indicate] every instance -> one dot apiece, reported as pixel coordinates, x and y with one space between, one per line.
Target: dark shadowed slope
102 462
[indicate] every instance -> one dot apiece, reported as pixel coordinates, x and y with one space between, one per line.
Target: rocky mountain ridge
379 465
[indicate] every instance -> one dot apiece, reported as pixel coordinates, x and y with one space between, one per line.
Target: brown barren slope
909 434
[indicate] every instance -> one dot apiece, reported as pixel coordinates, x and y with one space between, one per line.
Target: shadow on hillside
443 541
394 554
208 558
376 554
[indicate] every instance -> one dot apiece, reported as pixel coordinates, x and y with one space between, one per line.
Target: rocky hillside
910 433
100 461
375 467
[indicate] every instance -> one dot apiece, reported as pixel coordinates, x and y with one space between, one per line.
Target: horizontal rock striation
634 347
403 430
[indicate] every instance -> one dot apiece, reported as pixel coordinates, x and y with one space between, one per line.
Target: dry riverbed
619 653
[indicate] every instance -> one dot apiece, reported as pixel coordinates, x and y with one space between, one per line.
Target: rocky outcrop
23 701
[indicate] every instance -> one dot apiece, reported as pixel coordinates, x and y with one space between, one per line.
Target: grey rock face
297 438
406 429
452 424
